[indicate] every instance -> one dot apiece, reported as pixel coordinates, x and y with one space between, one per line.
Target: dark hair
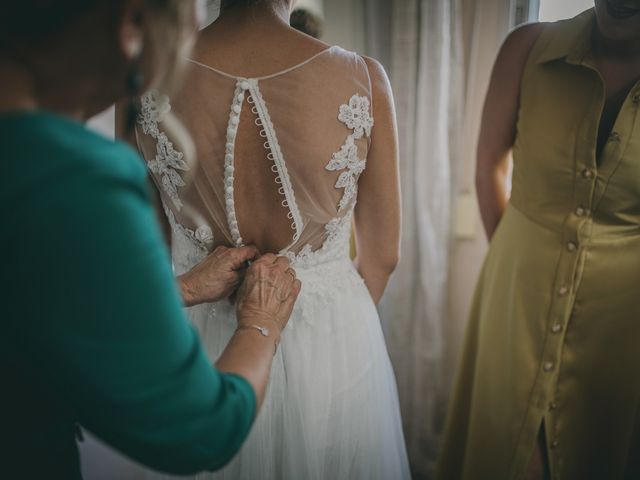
243 3
31 21
306 22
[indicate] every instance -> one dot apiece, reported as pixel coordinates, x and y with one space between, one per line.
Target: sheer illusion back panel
278 156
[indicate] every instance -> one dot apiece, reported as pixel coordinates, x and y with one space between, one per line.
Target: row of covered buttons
229 168
572 247
587 173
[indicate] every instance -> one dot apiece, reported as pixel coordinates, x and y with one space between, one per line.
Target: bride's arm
377 213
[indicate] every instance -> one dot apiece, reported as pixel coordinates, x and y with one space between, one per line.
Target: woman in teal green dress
93 328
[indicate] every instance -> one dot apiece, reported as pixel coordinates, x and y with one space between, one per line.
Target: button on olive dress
554 334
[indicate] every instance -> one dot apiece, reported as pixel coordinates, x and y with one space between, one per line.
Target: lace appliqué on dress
334 247
347 158
326 272
202 237
355 116
168 160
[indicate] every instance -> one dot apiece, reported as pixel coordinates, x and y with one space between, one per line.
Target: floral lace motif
202 237
347 158
334 247
355 116
168 160
326 272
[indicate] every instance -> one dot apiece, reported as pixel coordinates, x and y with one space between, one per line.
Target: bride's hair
246 3
238 3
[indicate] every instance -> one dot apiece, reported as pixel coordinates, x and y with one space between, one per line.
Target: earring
135 81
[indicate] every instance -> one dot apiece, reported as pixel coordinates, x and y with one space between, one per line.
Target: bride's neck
266 13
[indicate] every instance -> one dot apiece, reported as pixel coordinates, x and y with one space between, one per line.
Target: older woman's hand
217 276
268 293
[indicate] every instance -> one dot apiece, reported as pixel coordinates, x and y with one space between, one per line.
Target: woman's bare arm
377 213
265 299
498 129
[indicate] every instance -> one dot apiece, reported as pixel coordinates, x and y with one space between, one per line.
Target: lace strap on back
167 160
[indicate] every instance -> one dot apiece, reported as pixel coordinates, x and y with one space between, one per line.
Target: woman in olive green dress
549 382
93 331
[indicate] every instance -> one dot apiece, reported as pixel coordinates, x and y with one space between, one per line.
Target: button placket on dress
575 237
590 188
544 393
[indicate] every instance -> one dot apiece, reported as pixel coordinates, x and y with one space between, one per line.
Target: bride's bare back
283 127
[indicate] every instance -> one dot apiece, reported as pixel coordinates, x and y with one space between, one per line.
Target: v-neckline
603 165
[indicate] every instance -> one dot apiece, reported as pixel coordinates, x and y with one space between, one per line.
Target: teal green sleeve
106 326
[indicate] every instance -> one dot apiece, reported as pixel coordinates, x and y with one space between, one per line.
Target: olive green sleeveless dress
554 334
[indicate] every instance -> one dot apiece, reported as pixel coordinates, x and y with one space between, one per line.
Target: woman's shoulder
514 54
51 160
42 142
522 39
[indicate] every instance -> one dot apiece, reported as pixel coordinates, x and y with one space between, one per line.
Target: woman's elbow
391 263
382 263
193 457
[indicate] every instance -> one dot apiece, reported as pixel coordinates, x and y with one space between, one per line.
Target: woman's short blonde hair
171 37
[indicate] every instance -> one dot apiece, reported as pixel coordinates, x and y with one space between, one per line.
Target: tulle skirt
331 411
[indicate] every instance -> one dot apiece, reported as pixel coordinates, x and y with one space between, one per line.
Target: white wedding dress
331 410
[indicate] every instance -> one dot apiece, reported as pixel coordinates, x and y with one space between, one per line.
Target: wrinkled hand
268 293
217 276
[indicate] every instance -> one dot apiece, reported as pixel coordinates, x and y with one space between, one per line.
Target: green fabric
93 327
554 330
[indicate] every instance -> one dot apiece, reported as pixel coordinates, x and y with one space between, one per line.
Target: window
552 10
524 11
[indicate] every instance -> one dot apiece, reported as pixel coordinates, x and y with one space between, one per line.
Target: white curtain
439 55
426 67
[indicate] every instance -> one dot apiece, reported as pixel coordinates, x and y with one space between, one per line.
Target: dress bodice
557 181
314 121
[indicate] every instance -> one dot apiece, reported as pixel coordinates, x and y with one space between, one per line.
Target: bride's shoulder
369 67
342 57
311 45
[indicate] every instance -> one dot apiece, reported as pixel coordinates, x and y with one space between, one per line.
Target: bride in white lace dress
290 133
